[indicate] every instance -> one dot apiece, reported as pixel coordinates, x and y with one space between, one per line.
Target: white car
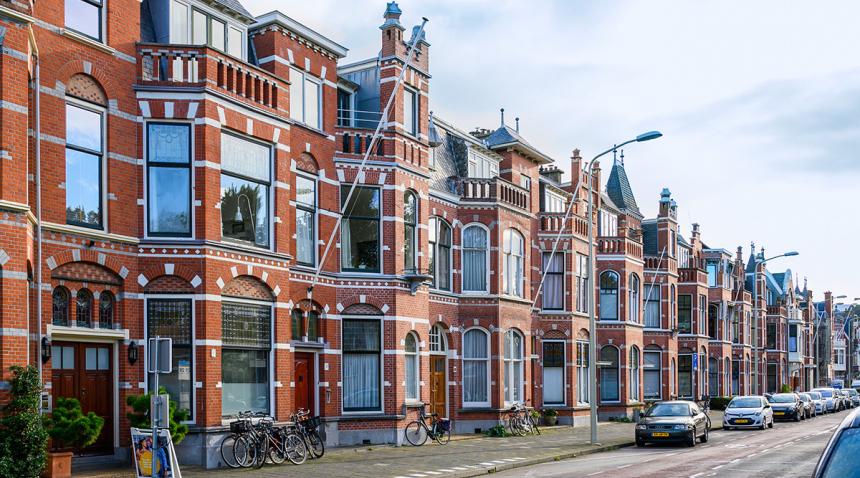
818 400
831 401
751 411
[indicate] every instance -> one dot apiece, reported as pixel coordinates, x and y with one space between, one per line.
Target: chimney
696 236
552 173
828 304
392 32
665 201
518 124
503 117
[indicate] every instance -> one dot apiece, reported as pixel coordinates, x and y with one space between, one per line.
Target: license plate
779 413
742 420
659 434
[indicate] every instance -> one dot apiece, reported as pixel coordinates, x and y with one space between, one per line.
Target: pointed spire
392 16
618 189
518 124
502 110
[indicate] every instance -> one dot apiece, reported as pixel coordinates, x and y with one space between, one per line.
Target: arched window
633 307
440 253
653 372
411 350
608 296
106 310
305 324
476 378
633 366
437 339
60 306
410 238
475 259
513 367
514 274
609 386
298 323
84 308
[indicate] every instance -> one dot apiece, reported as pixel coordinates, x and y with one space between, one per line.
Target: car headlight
681 427
758 413
641 427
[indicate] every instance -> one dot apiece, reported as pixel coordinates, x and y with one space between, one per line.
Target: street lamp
592 327
756 261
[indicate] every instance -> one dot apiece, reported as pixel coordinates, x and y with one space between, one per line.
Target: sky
759 103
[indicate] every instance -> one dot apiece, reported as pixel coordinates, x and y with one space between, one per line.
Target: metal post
153 410
592 327
757 329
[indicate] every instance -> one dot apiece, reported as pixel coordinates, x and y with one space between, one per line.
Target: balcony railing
658 263
494 190
552 221
356 141
185 65
619 246
777 310
688 274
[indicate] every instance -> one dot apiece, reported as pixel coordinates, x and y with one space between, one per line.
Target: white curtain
246 158
345 245
553 285
652 306
475 357
474 259
361 350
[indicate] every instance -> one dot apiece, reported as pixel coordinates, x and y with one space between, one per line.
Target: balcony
692 275
777 310
494 190
664 264
552 221
619 246
203 67
356 141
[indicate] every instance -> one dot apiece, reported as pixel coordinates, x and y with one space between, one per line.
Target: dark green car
678 421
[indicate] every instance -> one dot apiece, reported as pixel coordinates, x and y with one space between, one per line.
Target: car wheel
727 428
640 442
770 425
691 440
797 417
763 424
704 438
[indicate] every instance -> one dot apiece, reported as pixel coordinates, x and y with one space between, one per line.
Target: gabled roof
618 188
507 137
234 6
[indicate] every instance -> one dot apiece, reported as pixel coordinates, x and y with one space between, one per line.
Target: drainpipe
38 127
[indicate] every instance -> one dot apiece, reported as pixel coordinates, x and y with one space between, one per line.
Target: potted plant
69 428
550 416
139 415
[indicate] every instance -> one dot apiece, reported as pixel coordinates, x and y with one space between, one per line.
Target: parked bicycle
418 430
305 427
522 420
251 444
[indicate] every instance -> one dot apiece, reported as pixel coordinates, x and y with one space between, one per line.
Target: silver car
751 411
855 397
831 400
820 403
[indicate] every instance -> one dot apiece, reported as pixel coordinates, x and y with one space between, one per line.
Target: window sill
414 404
88 41
88 232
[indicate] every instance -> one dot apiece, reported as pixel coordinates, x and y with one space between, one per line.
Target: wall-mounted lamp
46 349
132 352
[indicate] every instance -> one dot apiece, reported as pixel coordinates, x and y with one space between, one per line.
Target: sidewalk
464 456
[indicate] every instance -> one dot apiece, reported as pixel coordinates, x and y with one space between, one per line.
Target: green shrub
549 412
719 403
785 388
621 419
497 431
69 427
139 416
23 439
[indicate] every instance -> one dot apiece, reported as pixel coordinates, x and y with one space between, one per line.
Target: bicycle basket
311 424
445 424
240 426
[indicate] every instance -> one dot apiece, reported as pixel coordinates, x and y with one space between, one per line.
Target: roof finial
614 155
622 157
503 116
518 124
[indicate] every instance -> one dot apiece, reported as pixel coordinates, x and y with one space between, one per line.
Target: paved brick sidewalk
460 458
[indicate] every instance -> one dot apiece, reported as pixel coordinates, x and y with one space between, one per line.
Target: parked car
787 406
820 403
808 405
855 397
750 411
846 400
673 421
830 398
840 457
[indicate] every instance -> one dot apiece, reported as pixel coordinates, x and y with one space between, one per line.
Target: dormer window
482 167
193 25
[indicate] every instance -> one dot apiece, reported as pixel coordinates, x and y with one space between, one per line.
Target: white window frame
271 193
563 258
486 230
415 357
191 166
511 364
382 351
617 367
379 229
210 14
509 278
634 298
617 296
634 374
435 222
481 166
102 24
103 182
646 368
307 77
487 360
583 383
413 121
553 202
563 373
654 288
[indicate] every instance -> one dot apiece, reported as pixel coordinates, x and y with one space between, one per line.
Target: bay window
172 318
362 348
514 272
245 183
412 366
475 258
168 179
84 161
359 232
247 344
482 167
85 17
440 253
609 384
652 306
553 283
410 236
476 369
608 296
553 372
305 98
513 364
306 212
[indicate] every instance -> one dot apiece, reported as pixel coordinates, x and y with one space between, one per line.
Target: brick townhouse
178 168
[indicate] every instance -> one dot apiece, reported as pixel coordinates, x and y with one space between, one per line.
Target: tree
23 439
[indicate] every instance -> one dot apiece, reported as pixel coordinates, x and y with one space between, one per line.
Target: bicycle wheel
277 454
244 449
518 426
295 449
535 428
262 446
416 433
228 455
316 443
442 437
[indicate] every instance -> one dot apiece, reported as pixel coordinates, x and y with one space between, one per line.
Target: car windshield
745 402
826 393
669 410
843 458
852 392
782 398
814 395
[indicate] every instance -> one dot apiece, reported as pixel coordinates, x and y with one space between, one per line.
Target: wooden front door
438 389
303 377
84 371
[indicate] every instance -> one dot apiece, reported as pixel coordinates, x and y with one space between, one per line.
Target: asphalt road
787 450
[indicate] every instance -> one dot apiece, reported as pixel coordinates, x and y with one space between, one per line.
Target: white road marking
697 474
622 466
717 467
595 473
